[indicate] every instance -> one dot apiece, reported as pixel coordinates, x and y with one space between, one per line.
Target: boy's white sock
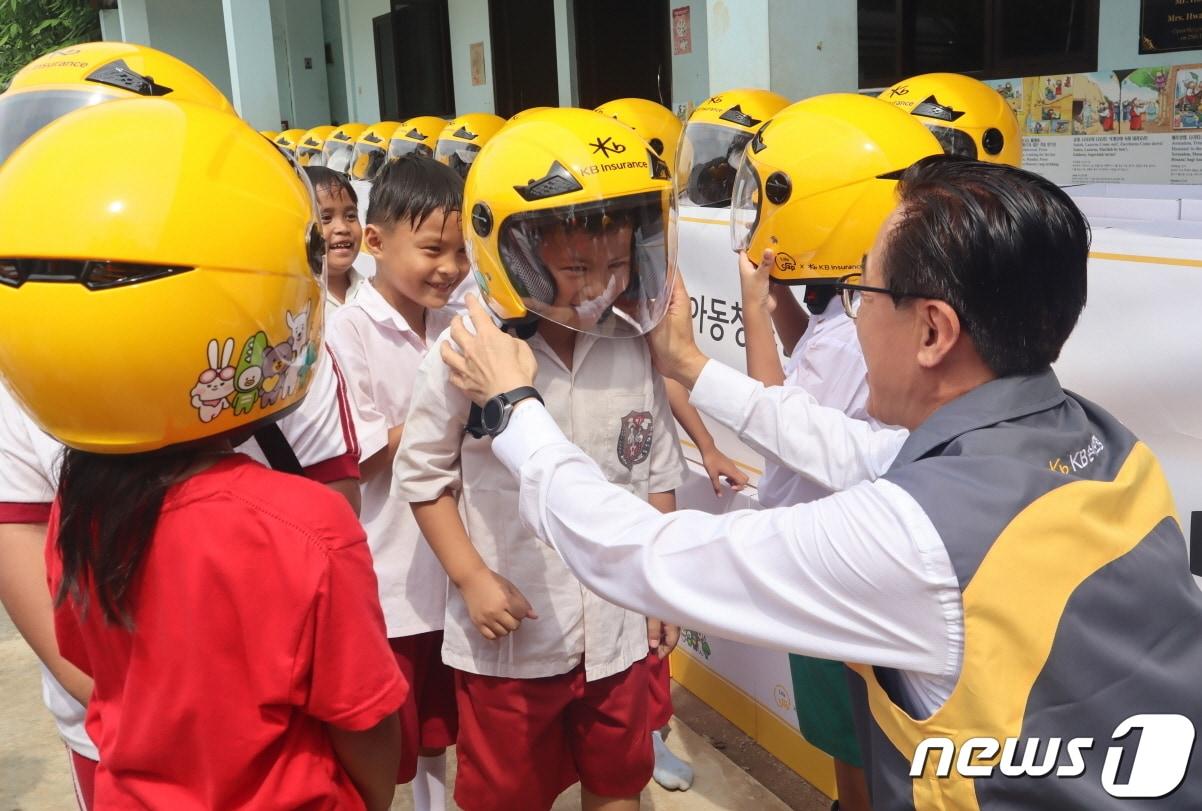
430 784
670 771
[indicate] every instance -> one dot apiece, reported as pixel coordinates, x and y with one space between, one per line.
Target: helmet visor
710 156
954 141
603 268
745 207
310 156
339 155
23 114
368 160
404 146
456 154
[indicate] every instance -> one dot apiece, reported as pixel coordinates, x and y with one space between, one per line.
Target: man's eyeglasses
849 288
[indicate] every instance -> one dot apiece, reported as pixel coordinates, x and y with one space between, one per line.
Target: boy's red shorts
523 741
429 717
83 774
661 691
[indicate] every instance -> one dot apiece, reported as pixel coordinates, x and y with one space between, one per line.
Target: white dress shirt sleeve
788 426
860 576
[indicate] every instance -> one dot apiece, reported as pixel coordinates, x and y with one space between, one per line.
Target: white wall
363 100
1118 40
813 47
331 23
737 44
193 30
691 71
255 94
469 23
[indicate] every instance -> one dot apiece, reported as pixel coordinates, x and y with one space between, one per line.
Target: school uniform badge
634 438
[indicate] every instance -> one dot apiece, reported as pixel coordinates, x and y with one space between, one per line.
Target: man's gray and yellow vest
1079 608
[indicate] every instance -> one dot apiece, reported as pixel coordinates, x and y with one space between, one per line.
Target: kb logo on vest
1156 767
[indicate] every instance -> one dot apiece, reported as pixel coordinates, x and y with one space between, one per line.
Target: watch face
491 414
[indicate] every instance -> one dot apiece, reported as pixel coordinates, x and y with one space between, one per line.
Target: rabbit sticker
210 395
299 338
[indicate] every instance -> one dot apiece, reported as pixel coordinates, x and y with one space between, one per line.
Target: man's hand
755 281
673 349
719 466
489 362
662 637
495 605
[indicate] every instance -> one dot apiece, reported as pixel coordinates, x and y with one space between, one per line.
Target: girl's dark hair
108 510
411 188
333 182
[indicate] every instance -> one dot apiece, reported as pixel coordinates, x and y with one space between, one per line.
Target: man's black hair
1006 248
411 188
331 181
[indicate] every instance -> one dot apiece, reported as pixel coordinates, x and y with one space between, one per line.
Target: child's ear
373 240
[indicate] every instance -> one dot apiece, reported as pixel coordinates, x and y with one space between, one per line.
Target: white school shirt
357 280
859 576
320 432
379 354
828 363
615 407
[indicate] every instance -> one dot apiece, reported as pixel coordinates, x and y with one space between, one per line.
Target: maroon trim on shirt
24 513
349 437
345 466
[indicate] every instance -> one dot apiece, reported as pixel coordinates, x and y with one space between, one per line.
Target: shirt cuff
24 513
341 467
723 393
530 429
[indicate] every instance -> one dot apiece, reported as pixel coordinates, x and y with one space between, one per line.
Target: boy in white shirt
552 681
380 338
338 213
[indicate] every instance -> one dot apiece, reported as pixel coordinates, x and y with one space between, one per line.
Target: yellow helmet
371 150
713 142
968 117
654 123
310 149
571 218
288 139
173 295
461 139
819 179
339 150
89 73
270 135
520 114
419 134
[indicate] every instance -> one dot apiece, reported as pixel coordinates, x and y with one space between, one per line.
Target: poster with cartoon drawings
1186 82
1122 101
1047 105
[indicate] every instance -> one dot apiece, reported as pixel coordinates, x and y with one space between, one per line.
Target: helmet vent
94 275
372 138
415 134
465 134
931 108
558 180
735 115
119 74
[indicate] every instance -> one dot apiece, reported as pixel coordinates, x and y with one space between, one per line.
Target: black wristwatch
494 416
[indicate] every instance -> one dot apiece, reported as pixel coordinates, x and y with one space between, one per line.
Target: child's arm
380 462
717 464
660 635
495 605
370 758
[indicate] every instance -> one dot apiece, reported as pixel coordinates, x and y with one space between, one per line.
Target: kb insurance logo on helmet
1162 747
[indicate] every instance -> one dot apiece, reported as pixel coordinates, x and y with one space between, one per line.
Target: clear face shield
457 154
709 158
310 155
954 141
405 146
745 207
339 155
23 114
368 160
604 268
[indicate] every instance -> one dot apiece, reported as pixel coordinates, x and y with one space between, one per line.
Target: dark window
623 49
524 70
989 39
413 60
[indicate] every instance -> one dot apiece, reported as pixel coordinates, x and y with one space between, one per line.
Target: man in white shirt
1010 570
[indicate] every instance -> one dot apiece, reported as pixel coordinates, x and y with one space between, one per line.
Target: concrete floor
34 776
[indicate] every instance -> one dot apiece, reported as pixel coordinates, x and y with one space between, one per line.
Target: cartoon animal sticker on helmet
190 240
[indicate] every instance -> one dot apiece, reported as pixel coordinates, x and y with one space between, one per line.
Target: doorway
413 60
623 49
525 73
